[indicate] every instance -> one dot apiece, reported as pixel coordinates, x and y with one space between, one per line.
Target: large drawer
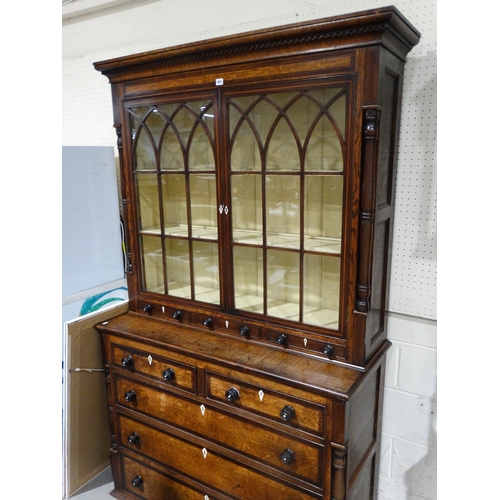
287 453
159 368
145 482
279 406
204 465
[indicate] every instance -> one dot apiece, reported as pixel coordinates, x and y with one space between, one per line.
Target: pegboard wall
87 120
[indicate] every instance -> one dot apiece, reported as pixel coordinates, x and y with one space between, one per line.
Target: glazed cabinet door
286 155
173 156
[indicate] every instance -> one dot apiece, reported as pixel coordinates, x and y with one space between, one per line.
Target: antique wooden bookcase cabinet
258 185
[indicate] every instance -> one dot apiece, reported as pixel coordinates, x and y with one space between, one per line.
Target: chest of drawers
220 422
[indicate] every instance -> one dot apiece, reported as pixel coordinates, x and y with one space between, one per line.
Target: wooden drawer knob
133 438
130 396
168 374
287 413
137 481
288 456
328 350
127 361
232 394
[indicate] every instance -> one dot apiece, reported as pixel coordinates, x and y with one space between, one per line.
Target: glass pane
323 213
324 149
283 152
171 152
248 278
147 194
283 282
201 155
152 262
155 124
183 121
203 194
174 204
283 210
178 271
246 209
324 152
144 154
321 290
334 100
245 153
206 272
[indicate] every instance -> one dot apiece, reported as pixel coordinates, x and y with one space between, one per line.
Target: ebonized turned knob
287 413
177 315
288 456
130 396
244 330
232 394
282 339
137 481
209 322
127 361
133 438
148 309
328 350
168 374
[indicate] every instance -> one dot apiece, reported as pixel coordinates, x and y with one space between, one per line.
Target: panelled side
364 422
380 109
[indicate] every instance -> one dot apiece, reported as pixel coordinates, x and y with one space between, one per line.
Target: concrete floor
97 489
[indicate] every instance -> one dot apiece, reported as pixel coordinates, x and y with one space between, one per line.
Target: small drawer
172 373
228 325
165 312
321 348
206 464
281 407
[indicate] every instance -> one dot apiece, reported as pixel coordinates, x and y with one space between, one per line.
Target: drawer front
141 480
204 465
289 454
173 373
277 406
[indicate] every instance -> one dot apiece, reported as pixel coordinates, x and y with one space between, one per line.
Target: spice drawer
270 447
200 462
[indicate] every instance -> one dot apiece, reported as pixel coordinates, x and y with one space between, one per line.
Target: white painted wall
408 467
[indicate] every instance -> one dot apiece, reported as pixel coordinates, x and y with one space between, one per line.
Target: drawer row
285 452
228 481
277 403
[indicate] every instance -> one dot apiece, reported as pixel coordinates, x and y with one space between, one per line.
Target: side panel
364 424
